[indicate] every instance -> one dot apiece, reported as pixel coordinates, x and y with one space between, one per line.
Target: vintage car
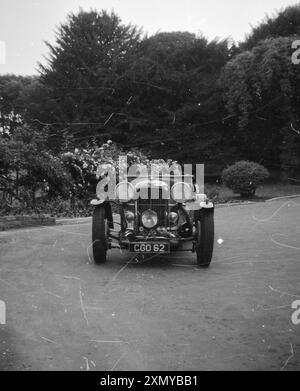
177 218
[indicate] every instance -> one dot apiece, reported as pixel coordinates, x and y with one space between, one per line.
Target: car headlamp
129 216
173 217
149 219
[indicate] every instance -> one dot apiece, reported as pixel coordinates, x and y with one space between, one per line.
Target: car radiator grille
160 206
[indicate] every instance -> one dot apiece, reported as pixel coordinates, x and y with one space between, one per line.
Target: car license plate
148 247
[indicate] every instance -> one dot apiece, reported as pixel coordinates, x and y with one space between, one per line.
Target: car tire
99 235
205 237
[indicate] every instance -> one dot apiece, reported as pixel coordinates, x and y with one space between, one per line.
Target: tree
261 90
282 24
83 73
175 95
12 106
23 99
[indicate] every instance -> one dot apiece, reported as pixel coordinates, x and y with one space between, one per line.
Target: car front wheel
205 237
99 235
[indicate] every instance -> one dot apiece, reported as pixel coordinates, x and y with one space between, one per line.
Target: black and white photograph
149 189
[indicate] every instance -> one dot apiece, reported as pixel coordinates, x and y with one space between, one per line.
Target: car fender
97 202
206 205
200 202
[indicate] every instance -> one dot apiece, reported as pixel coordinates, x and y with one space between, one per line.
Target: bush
244 177
27 167
82 165
34 180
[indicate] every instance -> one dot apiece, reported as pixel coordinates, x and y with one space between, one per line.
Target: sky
26 24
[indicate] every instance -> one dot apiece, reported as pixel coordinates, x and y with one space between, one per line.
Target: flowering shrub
244 177
26 167
32 179
83 164
87 165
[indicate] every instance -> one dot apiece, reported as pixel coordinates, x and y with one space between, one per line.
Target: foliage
106 81
11 107
244 177
284 23
178 98
27 167
83 164
32 178
84 72
173 94
261 90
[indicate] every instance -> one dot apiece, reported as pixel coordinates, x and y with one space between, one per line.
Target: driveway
66 313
